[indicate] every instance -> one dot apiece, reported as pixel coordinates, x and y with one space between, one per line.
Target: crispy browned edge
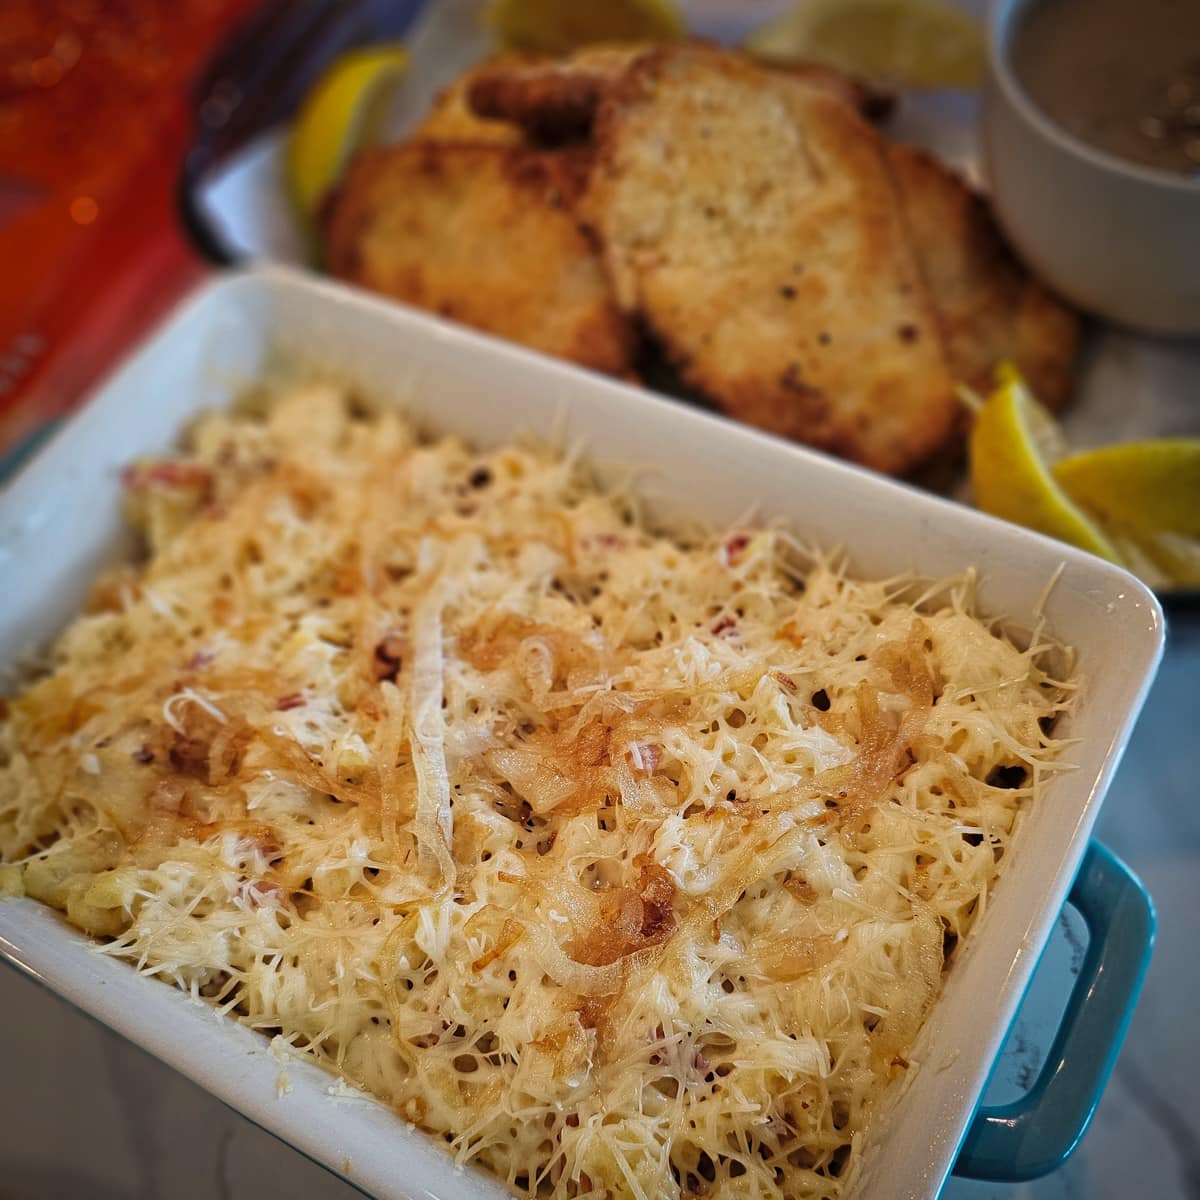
989 306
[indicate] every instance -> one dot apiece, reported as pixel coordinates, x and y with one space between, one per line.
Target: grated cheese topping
627 865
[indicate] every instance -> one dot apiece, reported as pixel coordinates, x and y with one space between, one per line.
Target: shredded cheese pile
629 867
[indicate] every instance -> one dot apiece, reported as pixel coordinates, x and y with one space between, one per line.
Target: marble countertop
97 1119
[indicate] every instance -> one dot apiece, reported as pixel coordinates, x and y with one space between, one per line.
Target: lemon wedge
1011 446
342 112
556 26
910 43
1155 484
1147 497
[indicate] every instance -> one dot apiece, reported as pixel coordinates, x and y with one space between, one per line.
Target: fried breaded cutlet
750 219
794 268
555 100
989 308
483 234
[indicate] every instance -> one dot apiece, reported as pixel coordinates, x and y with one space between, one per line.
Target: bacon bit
389 657
167 474
901 1062
785 681
213 512
291 700
572 1121
614 540
200 660
645 756
724 625
700 1064
144 755
735 548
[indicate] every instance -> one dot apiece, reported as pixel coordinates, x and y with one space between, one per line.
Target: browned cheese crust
989 307
483 234
751 220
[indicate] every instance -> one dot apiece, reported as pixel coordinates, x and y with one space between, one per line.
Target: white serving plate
61 520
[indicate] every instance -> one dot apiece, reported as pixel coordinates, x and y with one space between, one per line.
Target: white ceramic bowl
61 520
1120 240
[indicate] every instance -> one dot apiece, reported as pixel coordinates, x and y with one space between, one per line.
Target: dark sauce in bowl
1120 75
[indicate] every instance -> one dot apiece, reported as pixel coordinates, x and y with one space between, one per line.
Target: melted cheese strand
434 820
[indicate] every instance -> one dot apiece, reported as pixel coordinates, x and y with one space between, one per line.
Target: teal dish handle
1033 1135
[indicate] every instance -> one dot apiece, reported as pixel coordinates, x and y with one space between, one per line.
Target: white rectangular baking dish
61 520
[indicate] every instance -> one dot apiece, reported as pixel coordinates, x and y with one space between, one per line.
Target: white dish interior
61 520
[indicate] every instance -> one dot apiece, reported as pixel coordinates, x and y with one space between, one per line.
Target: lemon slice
1010 445
341 113
911 43
1153 484
1147 496
556 26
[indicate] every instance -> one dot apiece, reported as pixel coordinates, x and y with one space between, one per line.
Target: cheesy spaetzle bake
629 865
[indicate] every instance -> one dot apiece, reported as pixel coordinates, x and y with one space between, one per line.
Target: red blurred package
95 117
